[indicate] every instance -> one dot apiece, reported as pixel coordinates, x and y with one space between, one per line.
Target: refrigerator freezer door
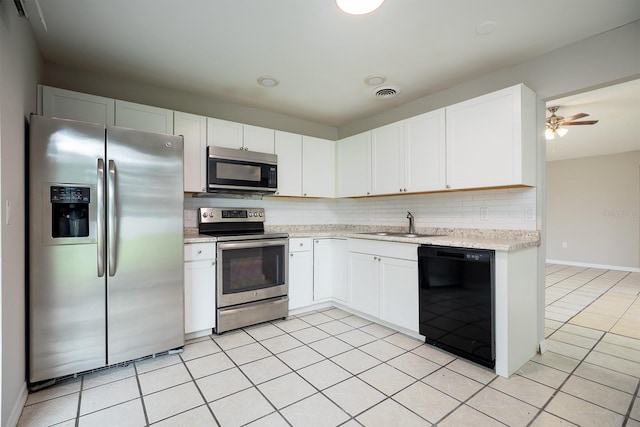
67 324
145 299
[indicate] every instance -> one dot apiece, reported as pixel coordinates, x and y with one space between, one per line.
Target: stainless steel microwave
234 170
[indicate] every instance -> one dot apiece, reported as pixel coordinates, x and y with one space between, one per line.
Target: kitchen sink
390 234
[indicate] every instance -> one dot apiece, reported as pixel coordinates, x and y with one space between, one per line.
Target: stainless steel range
252 267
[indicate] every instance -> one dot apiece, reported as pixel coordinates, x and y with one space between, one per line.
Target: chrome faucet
412 228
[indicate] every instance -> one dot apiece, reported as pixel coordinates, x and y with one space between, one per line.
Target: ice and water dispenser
69 211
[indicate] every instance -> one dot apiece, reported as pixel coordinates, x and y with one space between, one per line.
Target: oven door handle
261 243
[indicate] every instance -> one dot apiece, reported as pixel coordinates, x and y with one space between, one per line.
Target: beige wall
593 205
20 65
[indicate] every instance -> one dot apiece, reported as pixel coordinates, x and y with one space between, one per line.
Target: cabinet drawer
300 244
407 251
199 251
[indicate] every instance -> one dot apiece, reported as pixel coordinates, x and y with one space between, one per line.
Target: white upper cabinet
353 164
387 153
67 104
258 139
194 130
289 151
223 133
424 152
491 140
144 117
318 167
409 155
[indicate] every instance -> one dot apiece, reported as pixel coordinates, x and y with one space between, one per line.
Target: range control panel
212 215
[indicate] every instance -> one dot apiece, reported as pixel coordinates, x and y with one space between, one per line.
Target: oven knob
261 214
204 214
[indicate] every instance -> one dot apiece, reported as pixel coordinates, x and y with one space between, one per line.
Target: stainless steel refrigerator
105 219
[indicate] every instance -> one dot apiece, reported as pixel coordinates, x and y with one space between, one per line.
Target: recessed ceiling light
375 80
358 7
268 81
485 28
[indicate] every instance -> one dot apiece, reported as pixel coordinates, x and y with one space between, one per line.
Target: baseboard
589 265
16 410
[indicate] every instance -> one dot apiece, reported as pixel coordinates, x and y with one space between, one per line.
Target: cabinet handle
213 263
301 244
368 193
405 190
199 252
448 186
305 194
375 258
291 255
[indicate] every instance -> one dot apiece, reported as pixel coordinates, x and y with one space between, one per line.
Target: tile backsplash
513 209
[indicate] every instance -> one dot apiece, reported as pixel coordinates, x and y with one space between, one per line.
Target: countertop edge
506 245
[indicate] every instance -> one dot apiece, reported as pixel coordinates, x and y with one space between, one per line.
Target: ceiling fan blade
586 122
575 117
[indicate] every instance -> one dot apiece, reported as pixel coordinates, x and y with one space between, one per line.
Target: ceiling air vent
385 92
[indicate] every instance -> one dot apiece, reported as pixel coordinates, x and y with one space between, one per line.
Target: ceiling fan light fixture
562 132
358 7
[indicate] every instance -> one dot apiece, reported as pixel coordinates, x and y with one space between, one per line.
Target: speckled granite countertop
499 240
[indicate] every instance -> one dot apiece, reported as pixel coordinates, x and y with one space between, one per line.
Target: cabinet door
300 279
289 152
353 162
258 139
199 295
424 156
485 140
67 104
322 269
194 130
318 167
364 282
340 289
387 152
144 117
399 292
223 133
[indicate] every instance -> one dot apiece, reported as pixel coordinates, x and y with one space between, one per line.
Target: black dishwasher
457 301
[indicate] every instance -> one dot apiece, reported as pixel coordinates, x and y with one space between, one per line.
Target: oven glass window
252 268
238 172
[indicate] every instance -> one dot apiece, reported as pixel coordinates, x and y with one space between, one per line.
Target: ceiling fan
555 124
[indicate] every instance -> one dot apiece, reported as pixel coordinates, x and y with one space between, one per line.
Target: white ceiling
219 48
617 109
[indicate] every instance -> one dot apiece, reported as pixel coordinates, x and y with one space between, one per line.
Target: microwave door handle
112 215
100 217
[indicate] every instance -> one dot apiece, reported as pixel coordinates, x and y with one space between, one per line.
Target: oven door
251 270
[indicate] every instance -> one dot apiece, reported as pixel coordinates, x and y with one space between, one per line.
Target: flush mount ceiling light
268 81
375 80
358 7
555 123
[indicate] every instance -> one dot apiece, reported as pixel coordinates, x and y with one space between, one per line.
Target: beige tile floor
330 368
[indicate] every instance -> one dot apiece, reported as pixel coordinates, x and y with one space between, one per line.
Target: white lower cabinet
363 279
199 287
399 292
300 272
329 269
383 278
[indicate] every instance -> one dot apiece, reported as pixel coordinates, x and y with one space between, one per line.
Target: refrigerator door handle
111 217
100 218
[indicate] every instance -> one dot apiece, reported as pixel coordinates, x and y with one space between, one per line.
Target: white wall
20 66
506 209
593 204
